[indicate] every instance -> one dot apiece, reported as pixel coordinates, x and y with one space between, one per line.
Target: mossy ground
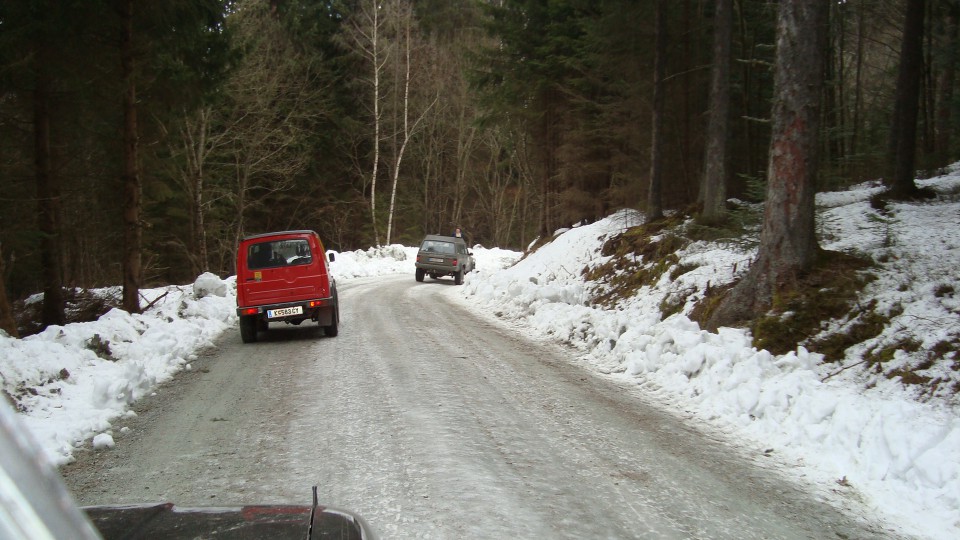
640 256
828 292
824 311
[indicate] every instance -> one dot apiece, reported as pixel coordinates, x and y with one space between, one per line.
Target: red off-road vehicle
283 277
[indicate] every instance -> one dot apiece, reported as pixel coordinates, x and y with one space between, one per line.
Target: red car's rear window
277 253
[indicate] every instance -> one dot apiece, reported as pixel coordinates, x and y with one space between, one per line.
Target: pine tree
714 182
788 245
903 129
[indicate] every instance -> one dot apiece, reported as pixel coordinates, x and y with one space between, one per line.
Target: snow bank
854 433
846 433
71 381
379 261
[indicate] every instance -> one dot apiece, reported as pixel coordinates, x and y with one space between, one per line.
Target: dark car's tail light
454 262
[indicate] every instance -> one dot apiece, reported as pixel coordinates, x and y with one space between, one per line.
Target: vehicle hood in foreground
169 522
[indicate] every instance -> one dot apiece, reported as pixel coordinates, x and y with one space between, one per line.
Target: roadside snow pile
843 427
397 259
70 381
103 440
208 284
379 261
490 260
548 283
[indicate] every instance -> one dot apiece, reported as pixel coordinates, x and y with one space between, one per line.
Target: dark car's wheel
420 274
458 278
248 328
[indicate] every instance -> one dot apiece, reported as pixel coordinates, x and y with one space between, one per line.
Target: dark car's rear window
437 246
278 253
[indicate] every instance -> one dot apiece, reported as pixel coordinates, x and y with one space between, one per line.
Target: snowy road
432 423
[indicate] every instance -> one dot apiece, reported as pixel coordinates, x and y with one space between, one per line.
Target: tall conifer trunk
47 185
655 192
903 131
788 244
713 187
945 88
132 269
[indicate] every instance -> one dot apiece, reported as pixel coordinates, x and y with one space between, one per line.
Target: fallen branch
841 370
155 300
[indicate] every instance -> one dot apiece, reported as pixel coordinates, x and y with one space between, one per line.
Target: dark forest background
178 127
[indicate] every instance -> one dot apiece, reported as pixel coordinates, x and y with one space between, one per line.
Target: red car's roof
279 233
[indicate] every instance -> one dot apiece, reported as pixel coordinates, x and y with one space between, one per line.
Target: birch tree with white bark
363 34
403 16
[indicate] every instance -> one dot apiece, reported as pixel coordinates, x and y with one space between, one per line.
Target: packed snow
856 433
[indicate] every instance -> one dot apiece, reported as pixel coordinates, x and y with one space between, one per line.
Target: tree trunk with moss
788 244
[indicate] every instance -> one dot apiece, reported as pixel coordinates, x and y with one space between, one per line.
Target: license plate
433 259
284 312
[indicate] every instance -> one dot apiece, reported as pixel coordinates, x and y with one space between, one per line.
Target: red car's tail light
249 311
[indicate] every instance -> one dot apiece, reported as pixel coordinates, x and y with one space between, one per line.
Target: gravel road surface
431 422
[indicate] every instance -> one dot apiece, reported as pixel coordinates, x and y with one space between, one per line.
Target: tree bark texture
196 148
945 87
377 66
548 146
858 82
655 192
48 193
903 133
714 184
132 233
788 244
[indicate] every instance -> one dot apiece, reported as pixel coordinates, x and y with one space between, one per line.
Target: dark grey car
444 256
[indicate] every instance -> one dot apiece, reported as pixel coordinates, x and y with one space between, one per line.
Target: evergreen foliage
253 116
